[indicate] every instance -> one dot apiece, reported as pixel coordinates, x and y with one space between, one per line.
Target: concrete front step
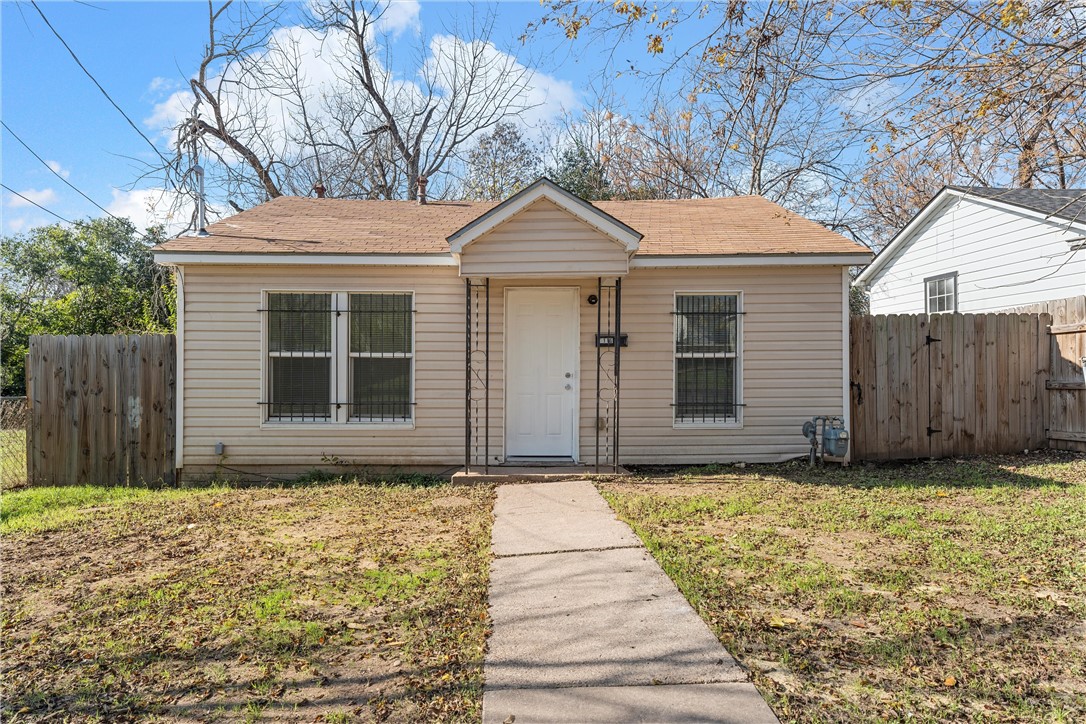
502 474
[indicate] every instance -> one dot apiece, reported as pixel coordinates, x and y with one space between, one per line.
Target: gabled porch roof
541 189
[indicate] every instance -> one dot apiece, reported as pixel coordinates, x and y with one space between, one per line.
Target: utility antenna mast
193 136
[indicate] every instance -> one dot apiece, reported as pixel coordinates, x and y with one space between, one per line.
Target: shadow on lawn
301 698
985 472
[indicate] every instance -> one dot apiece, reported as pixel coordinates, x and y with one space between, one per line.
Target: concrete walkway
588 628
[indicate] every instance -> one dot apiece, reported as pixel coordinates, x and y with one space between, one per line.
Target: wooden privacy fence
948 384
101 409
1066 386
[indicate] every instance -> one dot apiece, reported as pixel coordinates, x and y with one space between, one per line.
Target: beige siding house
542 329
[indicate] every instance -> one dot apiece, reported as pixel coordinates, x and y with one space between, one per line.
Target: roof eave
901 238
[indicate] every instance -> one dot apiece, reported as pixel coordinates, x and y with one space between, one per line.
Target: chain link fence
13 421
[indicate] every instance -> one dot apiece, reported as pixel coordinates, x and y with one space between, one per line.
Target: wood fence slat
120 469
935 387
921 380
871 427
882 406
906 391
991 372
1014 382
170 456
83 393
969 383
982 428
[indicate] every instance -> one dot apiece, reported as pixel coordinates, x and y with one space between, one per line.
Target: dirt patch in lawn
934 591
330 602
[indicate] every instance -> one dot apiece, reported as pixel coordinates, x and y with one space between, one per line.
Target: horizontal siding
791 362
544 240
1003 259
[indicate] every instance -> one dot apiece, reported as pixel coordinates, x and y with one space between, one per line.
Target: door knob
568 375
569 387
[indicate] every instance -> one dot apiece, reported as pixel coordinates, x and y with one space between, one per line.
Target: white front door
541 371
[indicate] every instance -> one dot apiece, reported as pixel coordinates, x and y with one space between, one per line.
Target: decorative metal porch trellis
477 374
609 341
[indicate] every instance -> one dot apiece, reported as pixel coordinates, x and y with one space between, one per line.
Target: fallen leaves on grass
338 598
850 594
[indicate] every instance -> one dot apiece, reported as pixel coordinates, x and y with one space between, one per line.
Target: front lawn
330 602
930 591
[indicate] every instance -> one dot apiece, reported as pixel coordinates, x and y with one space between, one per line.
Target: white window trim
340 419
736 424
953 276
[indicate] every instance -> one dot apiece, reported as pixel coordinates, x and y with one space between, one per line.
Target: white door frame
575 293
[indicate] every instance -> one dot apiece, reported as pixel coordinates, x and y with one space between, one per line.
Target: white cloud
151 207
18 224
166 115
399 16
33 196
59 170
159 84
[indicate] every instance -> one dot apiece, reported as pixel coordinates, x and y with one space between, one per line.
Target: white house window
339 357
941 293
706 358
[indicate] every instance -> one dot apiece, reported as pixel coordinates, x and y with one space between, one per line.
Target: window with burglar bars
340 357
706 358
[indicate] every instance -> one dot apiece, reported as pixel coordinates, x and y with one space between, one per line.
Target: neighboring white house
977 249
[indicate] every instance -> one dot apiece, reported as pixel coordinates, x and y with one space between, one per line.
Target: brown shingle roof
737 225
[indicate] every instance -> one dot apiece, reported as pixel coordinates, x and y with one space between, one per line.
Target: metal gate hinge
929 339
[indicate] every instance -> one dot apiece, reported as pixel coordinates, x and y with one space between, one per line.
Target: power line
99 85
35 203
54 171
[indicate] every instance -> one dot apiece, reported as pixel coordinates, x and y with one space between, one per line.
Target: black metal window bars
706 358
312 336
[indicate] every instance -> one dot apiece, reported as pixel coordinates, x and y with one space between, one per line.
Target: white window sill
737 425
333 425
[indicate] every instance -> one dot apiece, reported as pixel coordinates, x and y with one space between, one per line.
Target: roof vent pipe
319 188
422 190
201 206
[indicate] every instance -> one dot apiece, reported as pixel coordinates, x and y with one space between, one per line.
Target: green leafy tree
581 172
94 277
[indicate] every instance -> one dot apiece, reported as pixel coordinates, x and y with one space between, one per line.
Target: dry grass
926 592
329 602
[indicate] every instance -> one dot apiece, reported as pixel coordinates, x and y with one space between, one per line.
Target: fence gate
1066 385
101 409
948 384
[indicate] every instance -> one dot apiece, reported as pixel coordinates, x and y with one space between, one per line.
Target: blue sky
141 53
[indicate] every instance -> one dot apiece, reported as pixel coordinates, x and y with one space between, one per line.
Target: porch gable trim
544 188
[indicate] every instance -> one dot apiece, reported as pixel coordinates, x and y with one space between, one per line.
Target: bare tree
993 88
461 94
742 113
264 127
500 164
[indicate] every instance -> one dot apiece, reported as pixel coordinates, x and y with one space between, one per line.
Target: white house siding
791 367
544 237
1003 259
